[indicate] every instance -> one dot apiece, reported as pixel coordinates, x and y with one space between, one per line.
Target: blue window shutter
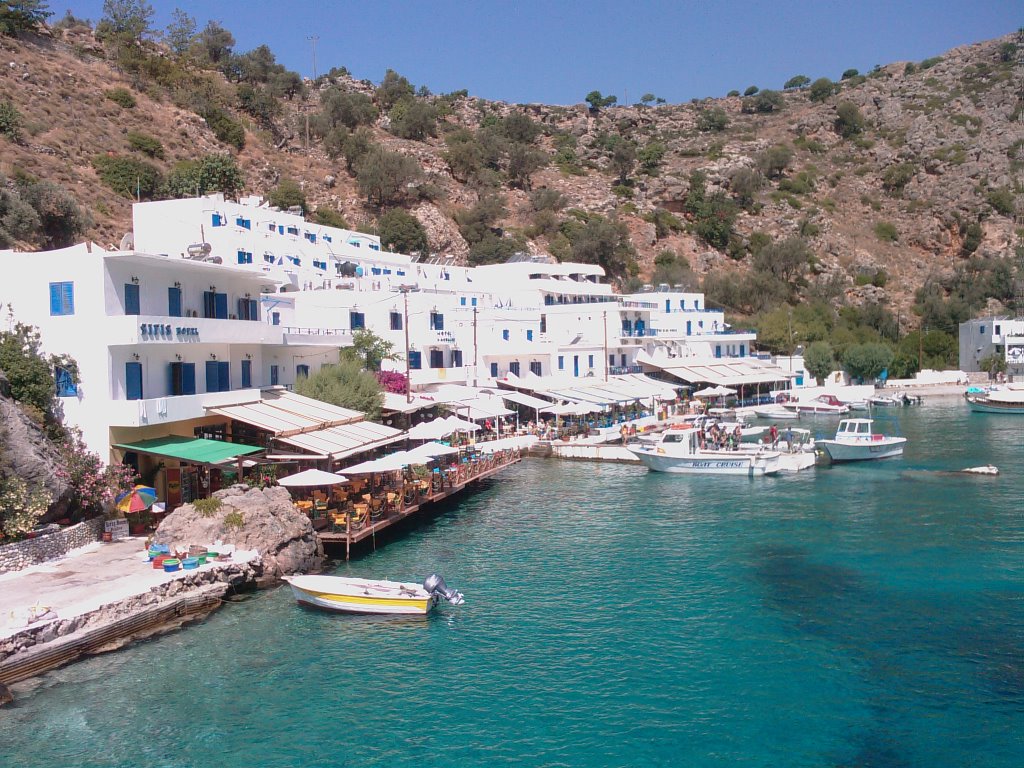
473 301
275 318
188 378
224 376
221 305
174 302
494 370
415 359
718 350
131 299
513 367
67 298
212 376
456 358
529 334
133 381
561 363
246 374
55 299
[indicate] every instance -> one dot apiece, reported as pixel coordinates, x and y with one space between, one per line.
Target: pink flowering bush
392 381
93 487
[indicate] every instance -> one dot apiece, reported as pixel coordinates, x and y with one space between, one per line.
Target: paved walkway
87 578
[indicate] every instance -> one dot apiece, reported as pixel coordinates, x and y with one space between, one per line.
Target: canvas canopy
311 478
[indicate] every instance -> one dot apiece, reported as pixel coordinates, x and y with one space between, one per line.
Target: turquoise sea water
867 615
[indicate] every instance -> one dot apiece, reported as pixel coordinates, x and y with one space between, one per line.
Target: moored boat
1009 400
855 440
823 404
678 451
343 594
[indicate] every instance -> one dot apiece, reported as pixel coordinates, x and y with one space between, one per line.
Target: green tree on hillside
393 88
402 232
215 43
821 89
17 16
384 176
125 21
849 120
819 360
210 173
181 32
287 194
597 101
797 81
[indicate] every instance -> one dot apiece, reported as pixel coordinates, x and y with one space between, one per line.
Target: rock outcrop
250 518
26 452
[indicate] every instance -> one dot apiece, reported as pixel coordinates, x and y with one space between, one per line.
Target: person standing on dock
789 439
773 435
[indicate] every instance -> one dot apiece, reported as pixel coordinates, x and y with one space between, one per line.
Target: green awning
196 450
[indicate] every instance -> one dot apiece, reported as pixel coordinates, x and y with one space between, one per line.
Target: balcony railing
621 370
301 331
635 333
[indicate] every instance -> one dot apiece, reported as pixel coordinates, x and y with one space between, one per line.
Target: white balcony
164 410
315 337
129 330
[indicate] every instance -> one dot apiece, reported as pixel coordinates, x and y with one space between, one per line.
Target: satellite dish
127 242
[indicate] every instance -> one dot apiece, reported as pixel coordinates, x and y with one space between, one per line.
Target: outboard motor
436 587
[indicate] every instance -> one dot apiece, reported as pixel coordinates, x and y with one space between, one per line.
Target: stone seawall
51 644
49 546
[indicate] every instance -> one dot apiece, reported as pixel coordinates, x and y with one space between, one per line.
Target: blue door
220 305
131 299
212 376
668 305
274 375
575 365
718 350
133 381
689 327
188 378
174 302
246 374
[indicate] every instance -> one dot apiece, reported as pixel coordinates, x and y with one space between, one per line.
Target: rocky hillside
878 182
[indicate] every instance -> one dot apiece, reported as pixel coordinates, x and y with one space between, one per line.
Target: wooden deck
451 483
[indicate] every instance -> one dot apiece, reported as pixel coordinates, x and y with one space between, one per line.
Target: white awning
401 403
311 425
339 442
729 372
481 408
523 399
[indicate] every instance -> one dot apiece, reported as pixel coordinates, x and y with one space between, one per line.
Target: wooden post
348 533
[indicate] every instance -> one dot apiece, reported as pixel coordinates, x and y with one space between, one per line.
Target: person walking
789 439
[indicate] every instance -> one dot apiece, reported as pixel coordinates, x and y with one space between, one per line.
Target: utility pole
606 345
313 39
408 377
476 366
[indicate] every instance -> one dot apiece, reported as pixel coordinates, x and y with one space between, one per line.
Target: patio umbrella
137 499
311 477
461 425
429 451
431 430
389 463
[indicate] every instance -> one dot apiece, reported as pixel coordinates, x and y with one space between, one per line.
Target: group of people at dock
719 438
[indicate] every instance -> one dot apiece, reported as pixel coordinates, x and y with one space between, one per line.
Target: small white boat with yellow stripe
343 594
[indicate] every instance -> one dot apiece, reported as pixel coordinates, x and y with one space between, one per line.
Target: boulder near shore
264 520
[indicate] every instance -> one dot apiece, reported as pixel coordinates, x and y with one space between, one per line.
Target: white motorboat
1009 400
342 594
856 441
889 401
824 404
776 413
679 451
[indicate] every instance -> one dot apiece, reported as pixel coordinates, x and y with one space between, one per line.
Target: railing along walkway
387 507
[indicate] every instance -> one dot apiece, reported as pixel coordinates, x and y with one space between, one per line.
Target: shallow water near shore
859 615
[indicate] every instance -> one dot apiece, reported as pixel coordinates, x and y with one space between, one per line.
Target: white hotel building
211 301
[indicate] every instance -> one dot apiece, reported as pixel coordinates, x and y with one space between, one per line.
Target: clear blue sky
557 51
